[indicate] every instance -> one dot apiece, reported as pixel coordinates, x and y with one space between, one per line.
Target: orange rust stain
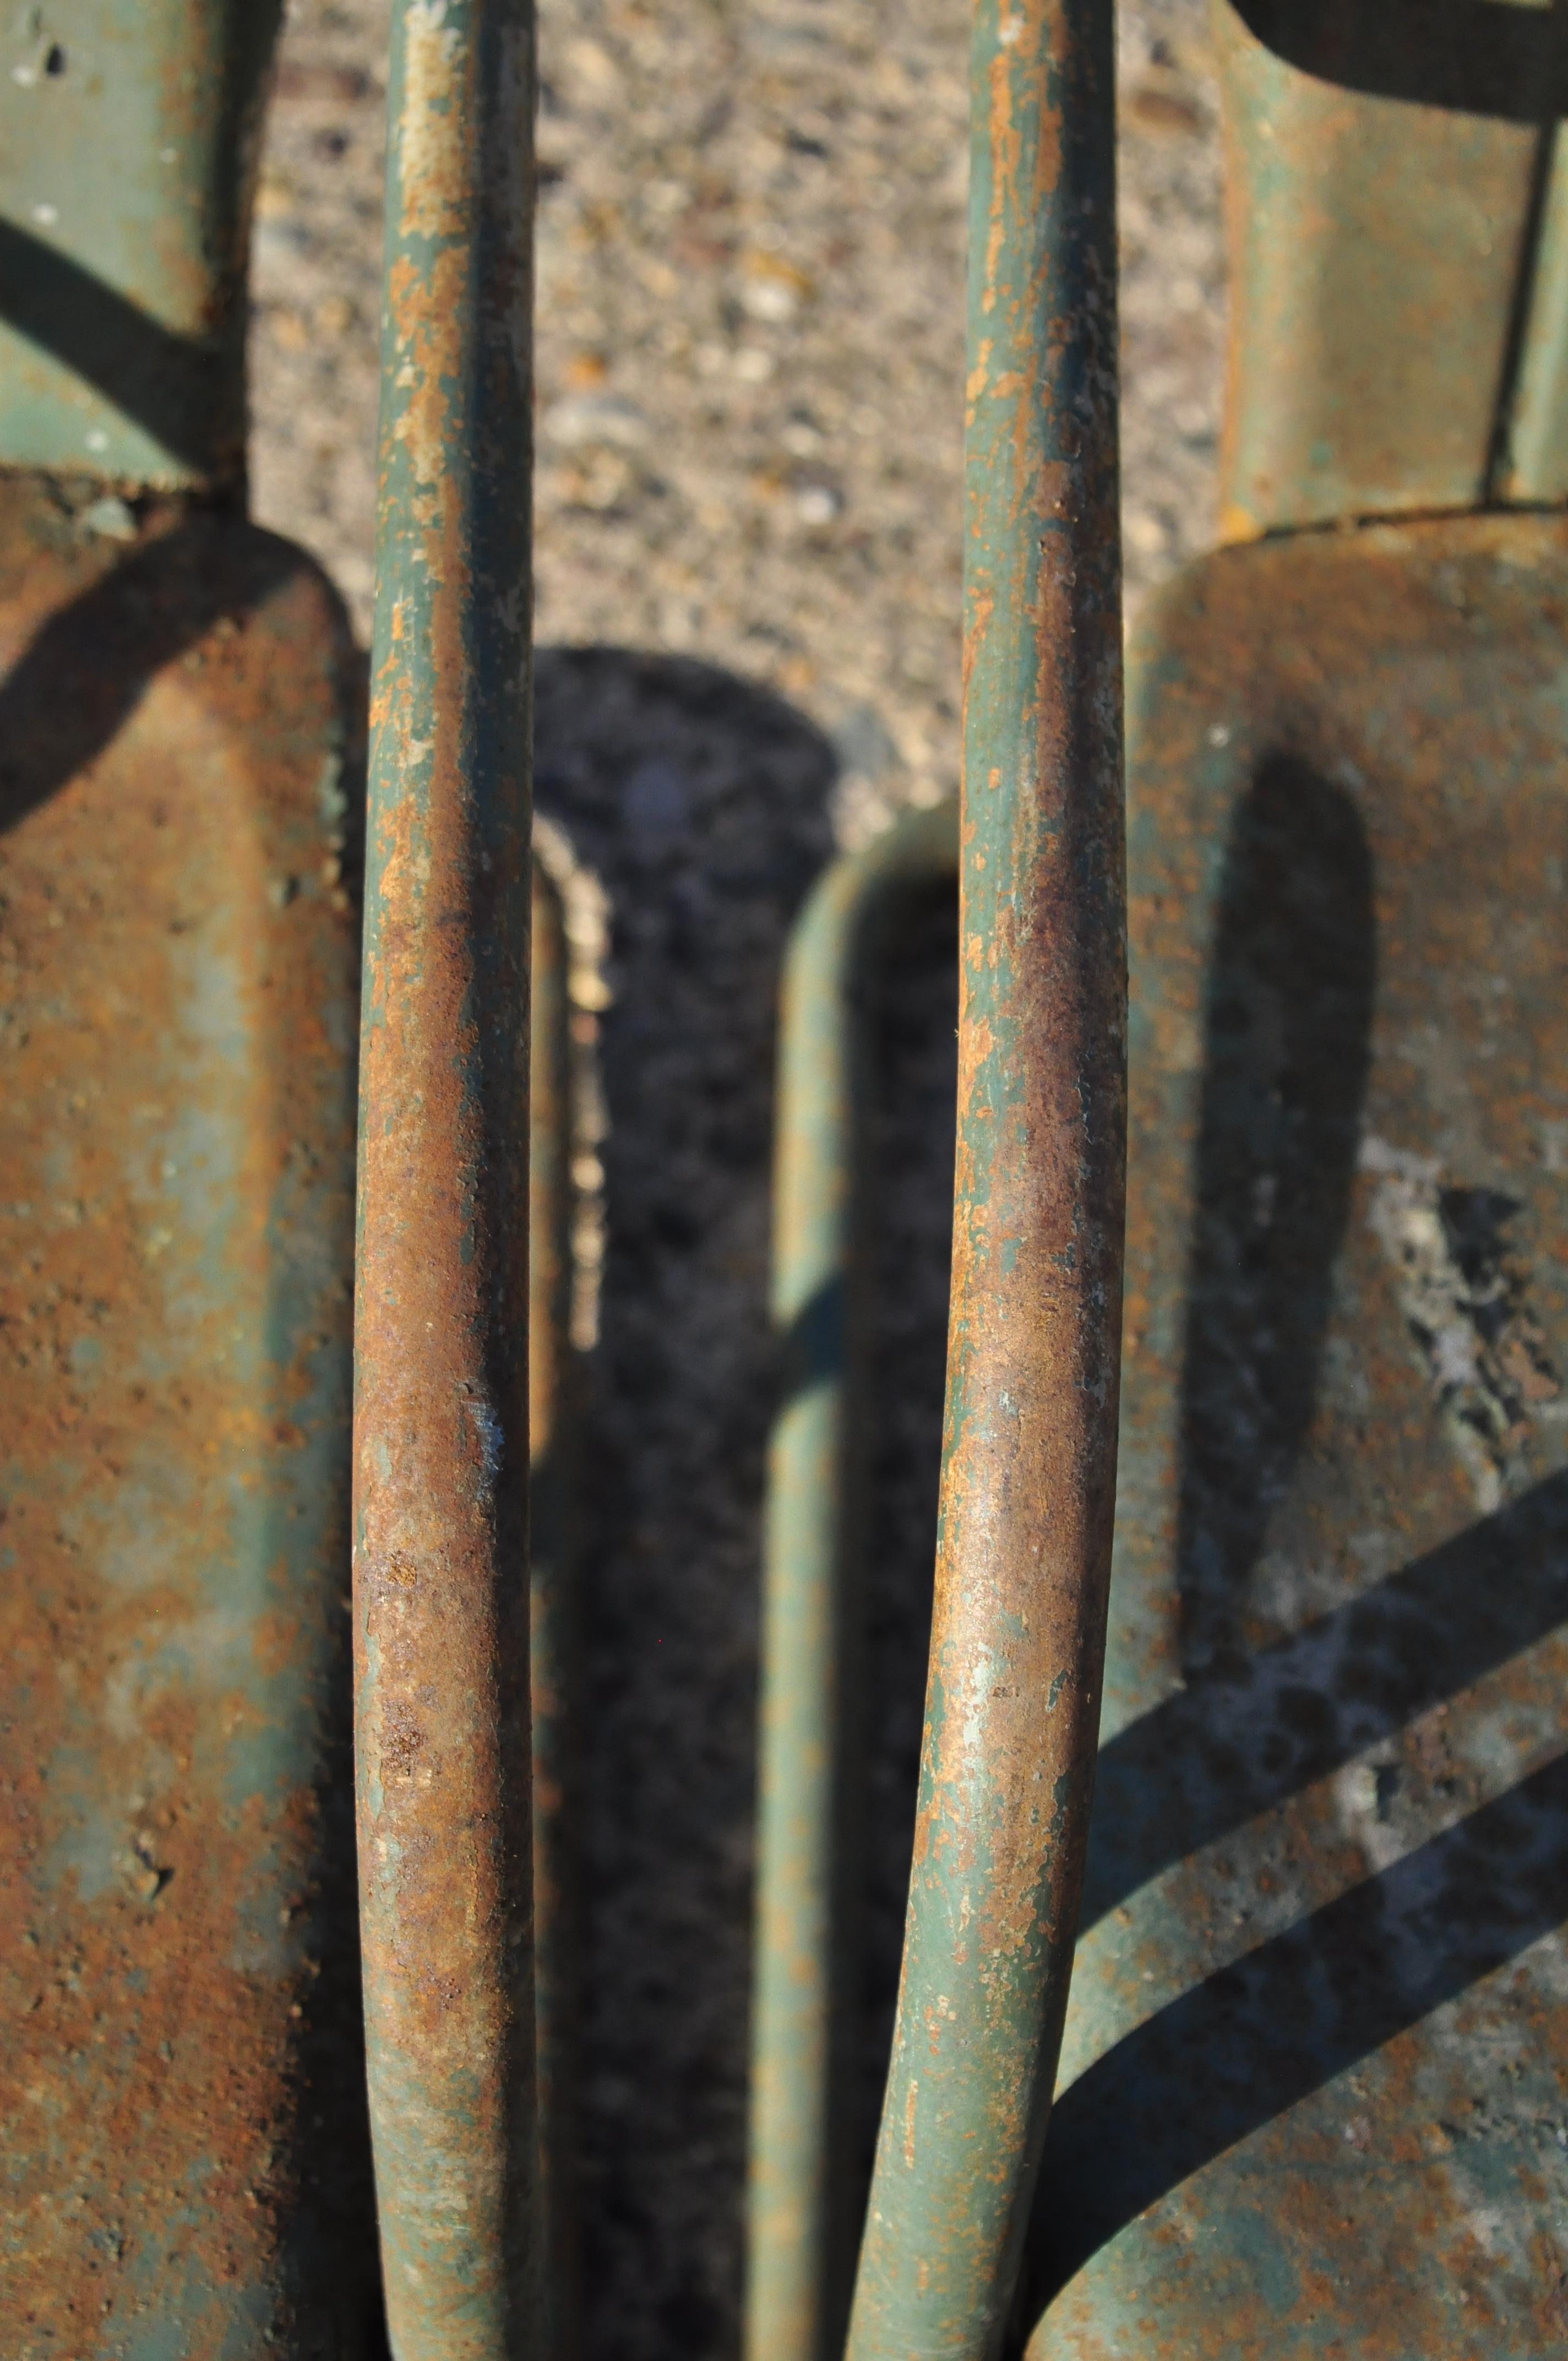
171 950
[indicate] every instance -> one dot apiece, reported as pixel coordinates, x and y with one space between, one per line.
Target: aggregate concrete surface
750 366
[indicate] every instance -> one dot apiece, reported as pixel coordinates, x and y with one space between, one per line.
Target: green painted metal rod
797 2252
441 1414
1030 1447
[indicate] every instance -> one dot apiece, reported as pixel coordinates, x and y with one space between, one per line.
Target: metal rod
440 1427
796 2249
1030 1447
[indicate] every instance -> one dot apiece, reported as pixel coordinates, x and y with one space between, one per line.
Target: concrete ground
749 358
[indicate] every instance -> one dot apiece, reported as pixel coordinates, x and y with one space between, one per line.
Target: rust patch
441 1464
1314 2067
186 2152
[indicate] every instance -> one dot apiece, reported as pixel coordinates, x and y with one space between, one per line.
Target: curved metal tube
795 2237
1030 1449
441 1424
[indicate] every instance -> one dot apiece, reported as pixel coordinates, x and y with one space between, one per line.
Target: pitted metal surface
1314 2091
441 1303
187 2167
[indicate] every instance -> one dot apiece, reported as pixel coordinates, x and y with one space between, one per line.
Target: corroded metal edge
1394 211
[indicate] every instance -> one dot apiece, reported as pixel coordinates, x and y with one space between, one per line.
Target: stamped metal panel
186 2167
1381 186
1314 2089
128 137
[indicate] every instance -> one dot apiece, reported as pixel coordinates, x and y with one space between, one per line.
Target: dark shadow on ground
700 801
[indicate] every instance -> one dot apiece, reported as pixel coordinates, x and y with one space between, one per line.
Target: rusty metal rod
1030 1448
440 1413
797 2252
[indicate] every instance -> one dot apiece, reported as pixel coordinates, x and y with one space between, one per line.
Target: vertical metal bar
797 2250
1030 1448
440 1427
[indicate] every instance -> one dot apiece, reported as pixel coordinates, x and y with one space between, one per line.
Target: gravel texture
750 327
750 356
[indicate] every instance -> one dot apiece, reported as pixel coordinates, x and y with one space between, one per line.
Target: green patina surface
1313 2061
177 1160
1398 326
1314 2066
799 2245
128 134
188 2174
